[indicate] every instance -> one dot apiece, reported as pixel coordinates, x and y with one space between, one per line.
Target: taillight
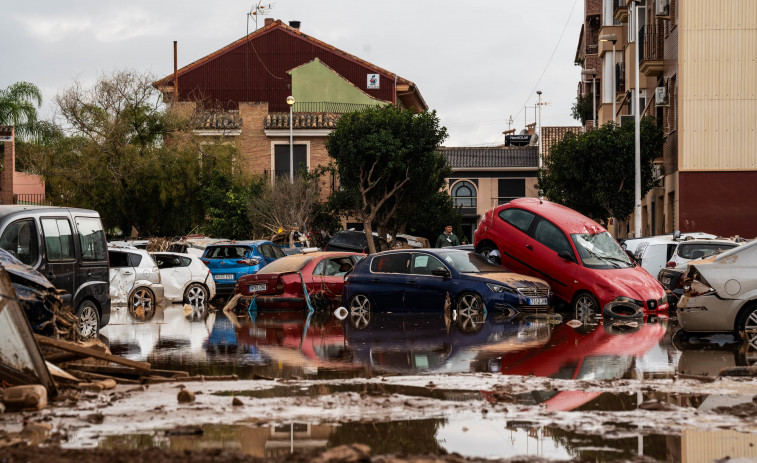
670 264
243 262
206 262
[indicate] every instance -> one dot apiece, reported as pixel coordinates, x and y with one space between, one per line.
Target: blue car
440 279
228 262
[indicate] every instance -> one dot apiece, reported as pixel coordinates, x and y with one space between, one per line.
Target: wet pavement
568 392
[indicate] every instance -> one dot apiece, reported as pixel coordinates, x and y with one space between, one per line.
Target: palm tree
18 107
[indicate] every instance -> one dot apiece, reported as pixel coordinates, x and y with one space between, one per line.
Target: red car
582 262
278 285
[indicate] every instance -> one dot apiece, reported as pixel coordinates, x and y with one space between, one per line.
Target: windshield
601 251
469 262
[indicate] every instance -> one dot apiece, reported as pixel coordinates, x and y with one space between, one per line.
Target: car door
514 225
542 254
59 264
122 275
174 274
328 275
388 279
424 291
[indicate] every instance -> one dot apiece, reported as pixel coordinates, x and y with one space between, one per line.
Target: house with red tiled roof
240 92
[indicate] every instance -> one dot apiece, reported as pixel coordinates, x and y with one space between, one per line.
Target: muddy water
293 345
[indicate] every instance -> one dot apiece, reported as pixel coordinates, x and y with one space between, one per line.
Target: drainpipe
175 74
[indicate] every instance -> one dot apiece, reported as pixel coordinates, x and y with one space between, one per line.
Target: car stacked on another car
720 294
428 279
279 284
354 241
185 278
228 262
583 263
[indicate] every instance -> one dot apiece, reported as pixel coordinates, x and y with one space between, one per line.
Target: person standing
447 238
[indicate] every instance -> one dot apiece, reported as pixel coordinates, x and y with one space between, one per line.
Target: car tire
584 305
196 294
491 252
747 327
360 311
470 310
141 303
89 319
681 339
622 311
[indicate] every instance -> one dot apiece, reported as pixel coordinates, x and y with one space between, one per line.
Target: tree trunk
369 236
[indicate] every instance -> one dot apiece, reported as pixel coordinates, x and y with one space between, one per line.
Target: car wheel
142 303
681 339
89 319
491 252
360 311
748 324
585 305
470 310
196 295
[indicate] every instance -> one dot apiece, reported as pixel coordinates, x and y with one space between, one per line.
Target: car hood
510 279
635 283
22 271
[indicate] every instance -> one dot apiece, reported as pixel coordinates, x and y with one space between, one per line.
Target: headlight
500 288
629 300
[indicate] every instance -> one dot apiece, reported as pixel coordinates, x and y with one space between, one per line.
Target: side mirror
565 255
440 272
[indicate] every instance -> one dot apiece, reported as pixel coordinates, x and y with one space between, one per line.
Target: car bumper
707 313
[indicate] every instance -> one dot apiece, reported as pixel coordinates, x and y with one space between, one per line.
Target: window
333 267
391 263
266 250
134 259
552 237
464 194
59 239
281 159
518 218
277 252
423 264
91 238
118 259
509 189
20 239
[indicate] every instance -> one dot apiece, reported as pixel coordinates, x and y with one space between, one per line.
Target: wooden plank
71 347
124 371
97 376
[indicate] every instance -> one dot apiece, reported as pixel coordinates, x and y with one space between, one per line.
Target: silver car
134 279
720 294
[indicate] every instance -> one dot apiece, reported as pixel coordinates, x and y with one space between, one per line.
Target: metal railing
31 199
325 107
652 42
465 201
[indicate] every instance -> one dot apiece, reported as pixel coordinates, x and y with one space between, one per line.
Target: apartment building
697 77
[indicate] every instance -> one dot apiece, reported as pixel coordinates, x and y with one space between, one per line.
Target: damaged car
437 279
185 278
135 279
720 294
228 262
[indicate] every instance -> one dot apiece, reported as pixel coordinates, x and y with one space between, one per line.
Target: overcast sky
476 63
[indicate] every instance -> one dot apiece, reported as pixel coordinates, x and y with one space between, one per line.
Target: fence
31 199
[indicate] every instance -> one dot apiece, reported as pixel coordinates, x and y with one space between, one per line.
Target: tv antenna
257 10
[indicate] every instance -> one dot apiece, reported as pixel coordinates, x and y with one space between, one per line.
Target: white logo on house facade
373 81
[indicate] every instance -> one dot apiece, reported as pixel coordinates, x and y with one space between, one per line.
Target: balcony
652 47
620 10
312 115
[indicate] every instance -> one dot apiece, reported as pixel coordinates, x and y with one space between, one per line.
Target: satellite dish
523 132
534 140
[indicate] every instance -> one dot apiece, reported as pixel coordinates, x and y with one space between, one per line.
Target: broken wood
201 378
125 371
88 352
98 376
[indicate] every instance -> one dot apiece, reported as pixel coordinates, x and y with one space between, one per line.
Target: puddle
480 438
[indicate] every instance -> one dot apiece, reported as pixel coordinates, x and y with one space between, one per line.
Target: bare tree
285 207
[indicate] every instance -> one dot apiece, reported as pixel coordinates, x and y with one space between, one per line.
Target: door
388 279
174 274
513 228
122 276
542 250
424 291
328 276
59 264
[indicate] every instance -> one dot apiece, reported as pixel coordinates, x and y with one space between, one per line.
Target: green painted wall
316 82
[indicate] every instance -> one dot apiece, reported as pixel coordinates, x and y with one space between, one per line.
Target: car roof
239 243
177 254
565 218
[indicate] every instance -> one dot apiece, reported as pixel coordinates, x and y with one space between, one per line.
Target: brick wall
253 144
9 166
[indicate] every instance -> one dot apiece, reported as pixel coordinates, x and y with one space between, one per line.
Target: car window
118 259
266 250
59 239
698 250
277 252
337 267
134 259
518 218
552 237
91 238
469 262
20 238
391 263
423 264
226 252
168 261
185 261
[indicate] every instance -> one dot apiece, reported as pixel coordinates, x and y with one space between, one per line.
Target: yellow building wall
718 85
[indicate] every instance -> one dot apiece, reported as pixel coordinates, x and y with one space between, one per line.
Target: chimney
295 24
268 21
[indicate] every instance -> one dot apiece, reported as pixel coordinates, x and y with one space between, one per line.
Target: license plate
225 276
665 281
538 301
254 288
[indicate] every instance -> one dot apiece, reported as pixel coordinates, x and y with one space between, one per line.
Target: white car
185 278
134 279
720 294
